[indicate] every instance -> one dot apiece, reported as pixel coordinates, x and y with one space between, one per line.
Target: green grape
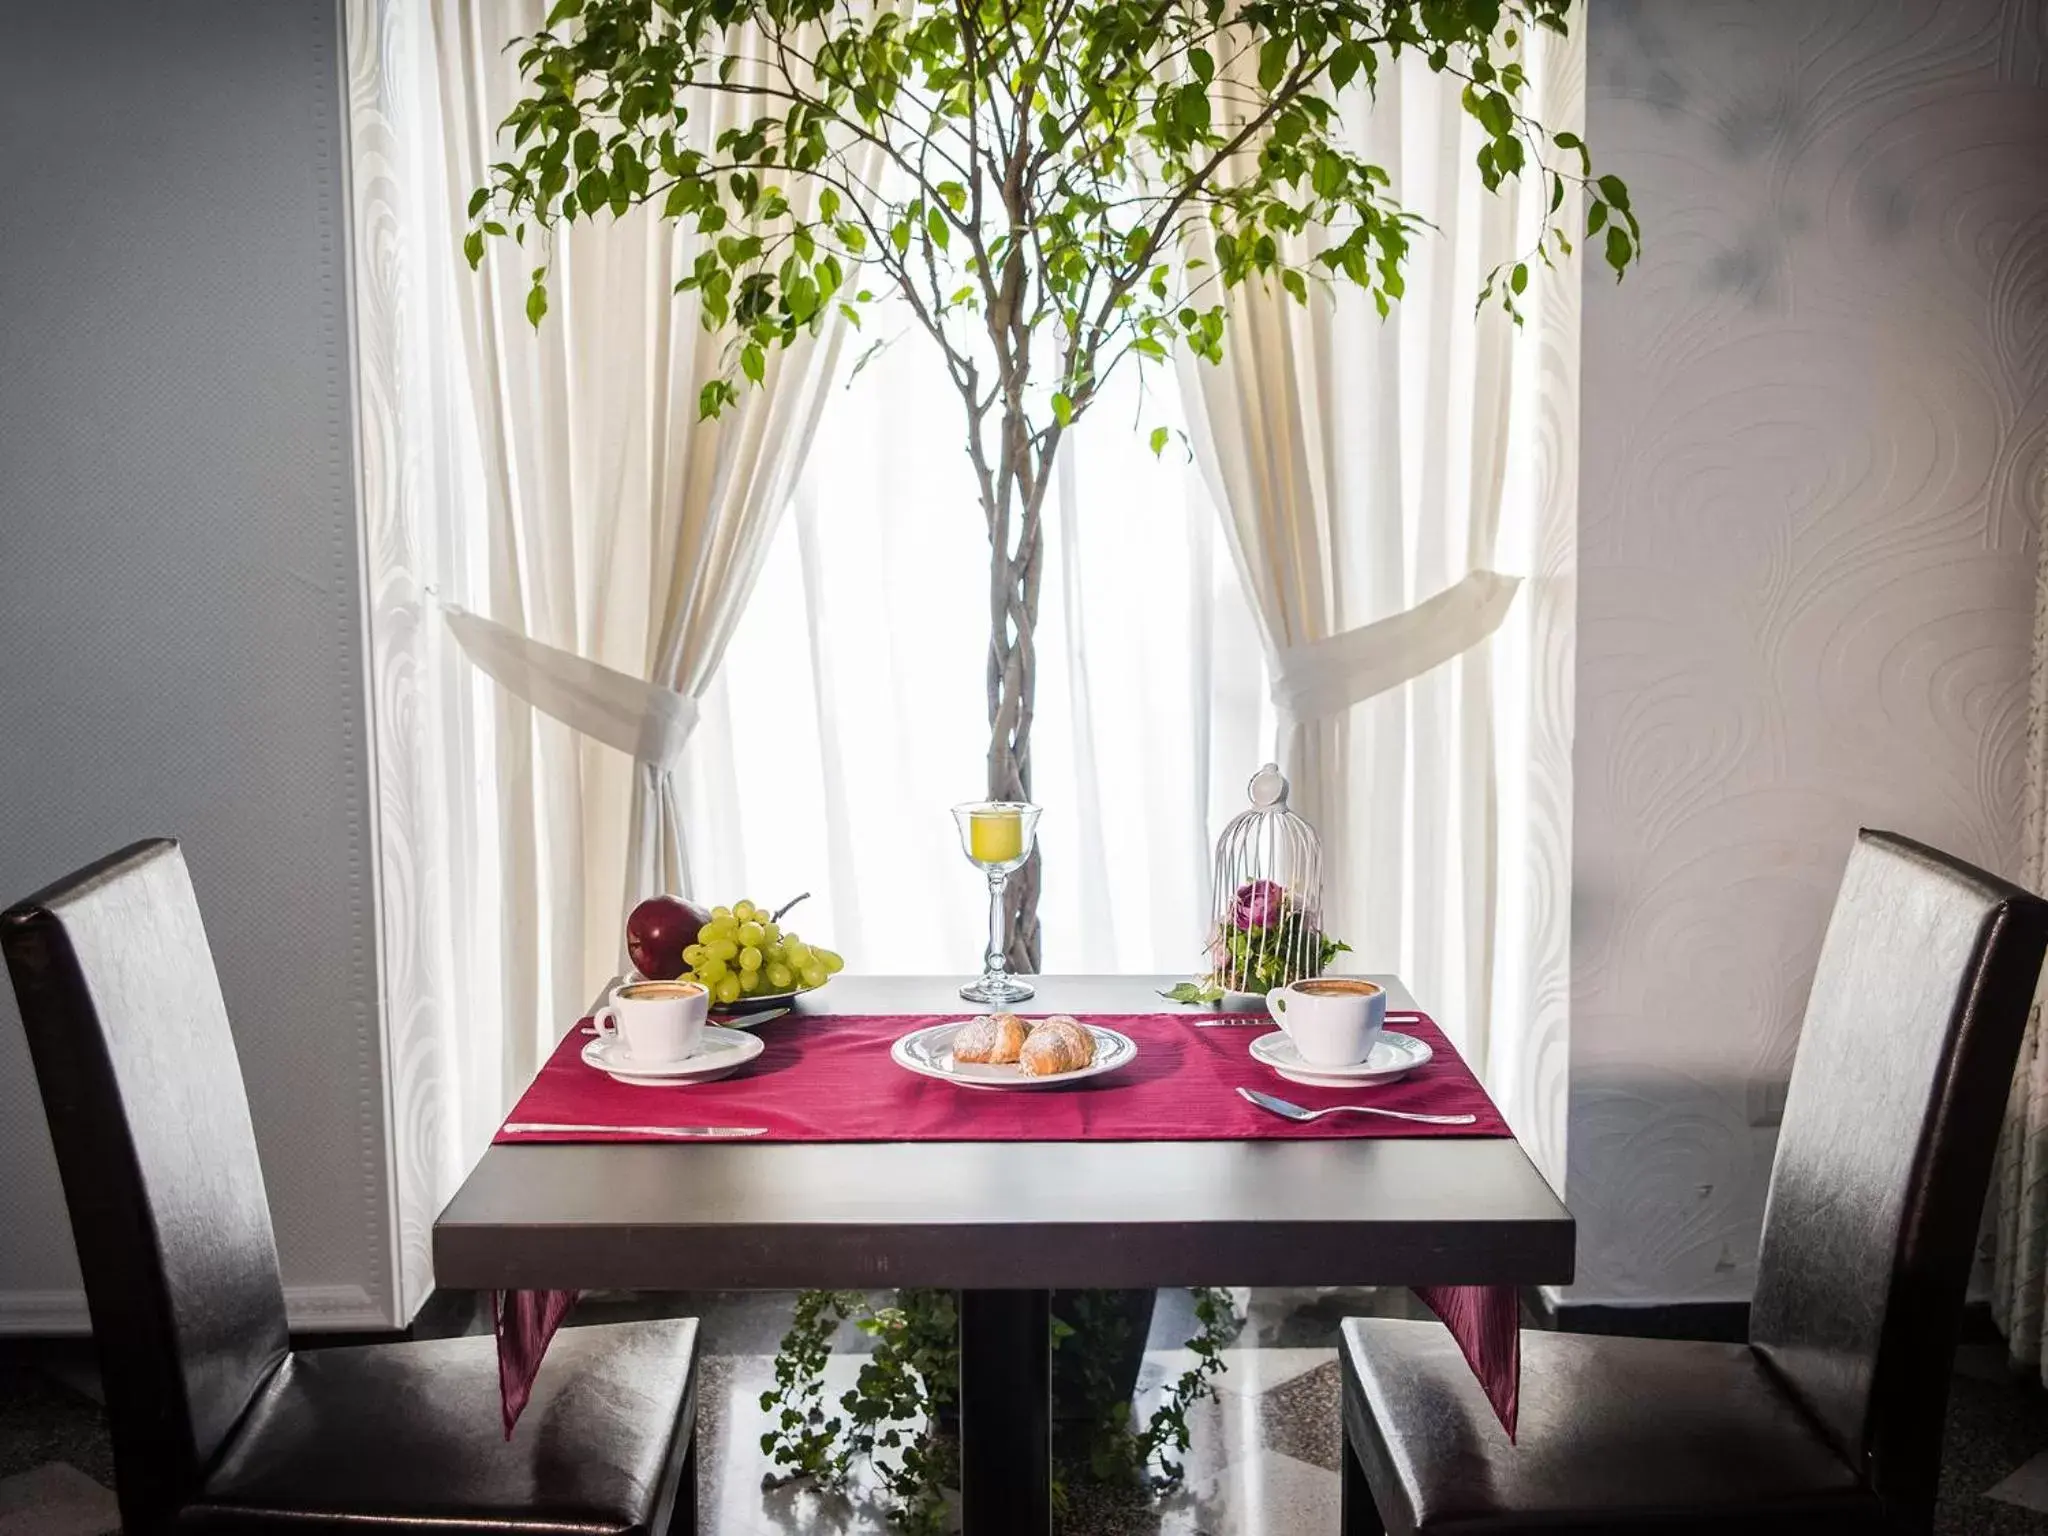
692 955
717 929
813 974
750 959
780 976
711 970
795 950
722 949
753 933
773 949
770 932
720 914
728 989
831 962
750 981
743 911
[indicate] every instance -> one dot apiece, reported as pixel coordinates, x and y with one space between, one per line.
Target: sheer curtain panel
558 553
1399 496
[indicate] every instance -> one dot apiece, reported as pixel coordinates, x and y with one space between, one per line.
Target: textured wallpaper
1815 434
179 603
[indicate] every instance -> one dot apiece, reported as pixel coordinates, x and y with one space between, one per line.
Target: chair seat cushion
397 1433
1614 1434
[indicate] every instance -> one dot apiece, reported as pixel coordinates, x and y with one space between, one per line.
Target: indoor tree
1051 187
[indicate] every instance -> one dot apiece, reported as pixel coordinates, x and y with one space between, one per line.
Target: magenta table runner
830 1079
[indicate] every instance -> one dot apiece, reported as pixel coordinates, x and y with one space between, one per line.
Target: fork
1290 1111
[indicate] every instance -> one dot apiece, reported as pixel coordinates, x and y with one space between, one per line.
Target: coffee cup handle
606 1022
1276 1005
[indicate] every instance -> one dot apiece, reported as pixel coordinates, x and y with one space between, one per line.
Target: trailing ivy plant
891 1419
1053 188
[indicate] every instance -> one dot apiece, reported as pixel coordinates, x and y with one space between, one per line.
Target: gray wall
1814 432
180 626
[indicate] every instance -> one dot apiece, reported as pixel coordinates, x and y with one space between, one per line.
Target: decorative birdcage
1268 928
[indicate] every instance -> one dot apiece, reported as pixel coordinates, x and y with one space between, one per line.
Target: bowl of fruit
742 954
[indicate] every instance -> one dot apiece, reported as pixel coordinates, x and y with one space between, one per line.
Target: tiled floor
1264 1458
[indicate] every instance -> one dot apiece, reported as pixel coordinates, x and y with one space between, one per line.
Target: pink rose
1259 904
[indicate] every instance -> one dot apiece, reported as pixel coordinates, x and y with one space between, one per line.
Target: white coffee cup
659 1021
1332 1020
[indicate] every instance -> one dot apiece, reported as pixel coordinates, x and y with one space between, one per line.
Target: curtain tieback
1325 677
644 720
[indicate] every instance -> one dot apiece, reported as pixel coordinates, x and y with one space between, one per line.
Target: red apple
658 932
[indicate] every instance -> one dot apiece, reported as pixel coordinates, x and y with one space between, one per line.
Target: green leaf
1596 215
1618 248
1273 62
536 304
473 248
1615 190
753 362
1192 992
1519 278
1294 283
1062 409
477 200
1161 436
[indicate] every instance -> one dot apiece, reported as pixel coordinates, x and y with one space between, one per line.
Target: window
849 715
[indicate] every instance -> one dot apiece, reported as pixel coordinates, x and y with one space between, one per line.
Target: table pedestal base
1006 1412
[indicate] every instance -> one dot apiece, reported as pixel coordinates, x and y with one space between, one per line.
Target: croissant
1057 1044
995 1038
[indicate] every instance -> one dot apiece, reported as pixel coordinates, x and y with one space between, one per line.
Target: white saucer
724 1051
929 1052
1394 1055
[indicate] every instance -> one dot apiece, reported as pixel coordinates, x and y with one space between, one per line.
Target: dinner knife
535 1127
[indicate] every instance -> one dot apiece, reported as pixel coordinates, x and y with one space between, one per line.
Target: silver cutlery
1289 1111
523 1127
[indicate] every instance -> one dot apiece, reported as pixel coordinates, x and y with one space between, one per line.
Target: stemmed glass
996 836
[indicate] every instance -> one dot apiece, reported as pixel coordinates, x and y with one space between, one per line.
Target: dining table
1005 1223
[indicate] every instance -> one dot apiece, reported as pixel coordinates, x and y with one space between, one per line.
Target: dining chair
1830 1418
218 1424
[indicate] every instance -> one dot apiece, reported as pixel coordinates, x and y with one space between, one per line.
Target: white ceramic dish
929 1052
1394 1056
724 1052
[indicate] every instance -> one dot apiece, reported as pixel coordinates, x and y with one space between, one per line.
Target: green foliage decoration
892 1419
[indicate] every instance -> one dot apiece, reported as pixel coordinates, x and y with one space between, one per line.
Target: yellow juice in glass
995 837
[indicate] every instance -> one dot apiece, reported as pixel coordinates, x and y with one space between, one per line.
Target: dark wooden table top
1001 1215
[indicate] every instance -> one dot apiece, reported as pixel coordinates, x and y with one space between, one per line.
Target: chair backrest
1912 1031
150 1122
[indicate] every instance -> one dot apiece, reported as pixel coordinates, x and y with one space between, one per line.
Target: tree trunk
1016 550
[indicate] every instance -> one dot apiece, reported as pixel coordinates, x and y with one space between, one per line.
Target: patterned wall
179 599
1814 437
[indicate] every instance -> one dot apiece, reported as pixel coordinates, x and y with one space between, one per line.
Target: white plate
1394 1055
929 1051
724 1051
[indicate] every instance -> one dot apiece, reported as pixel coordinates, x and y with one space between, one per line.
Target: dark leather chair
1830 1418
218 1424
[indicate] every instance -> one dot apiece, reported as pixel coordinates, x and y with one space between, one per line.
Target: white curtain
621 534
1385 497
2018 1213
557 554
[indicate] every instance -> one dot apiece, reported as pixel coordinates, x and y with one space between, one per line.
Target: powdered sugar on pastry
1057 1044
994 1038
